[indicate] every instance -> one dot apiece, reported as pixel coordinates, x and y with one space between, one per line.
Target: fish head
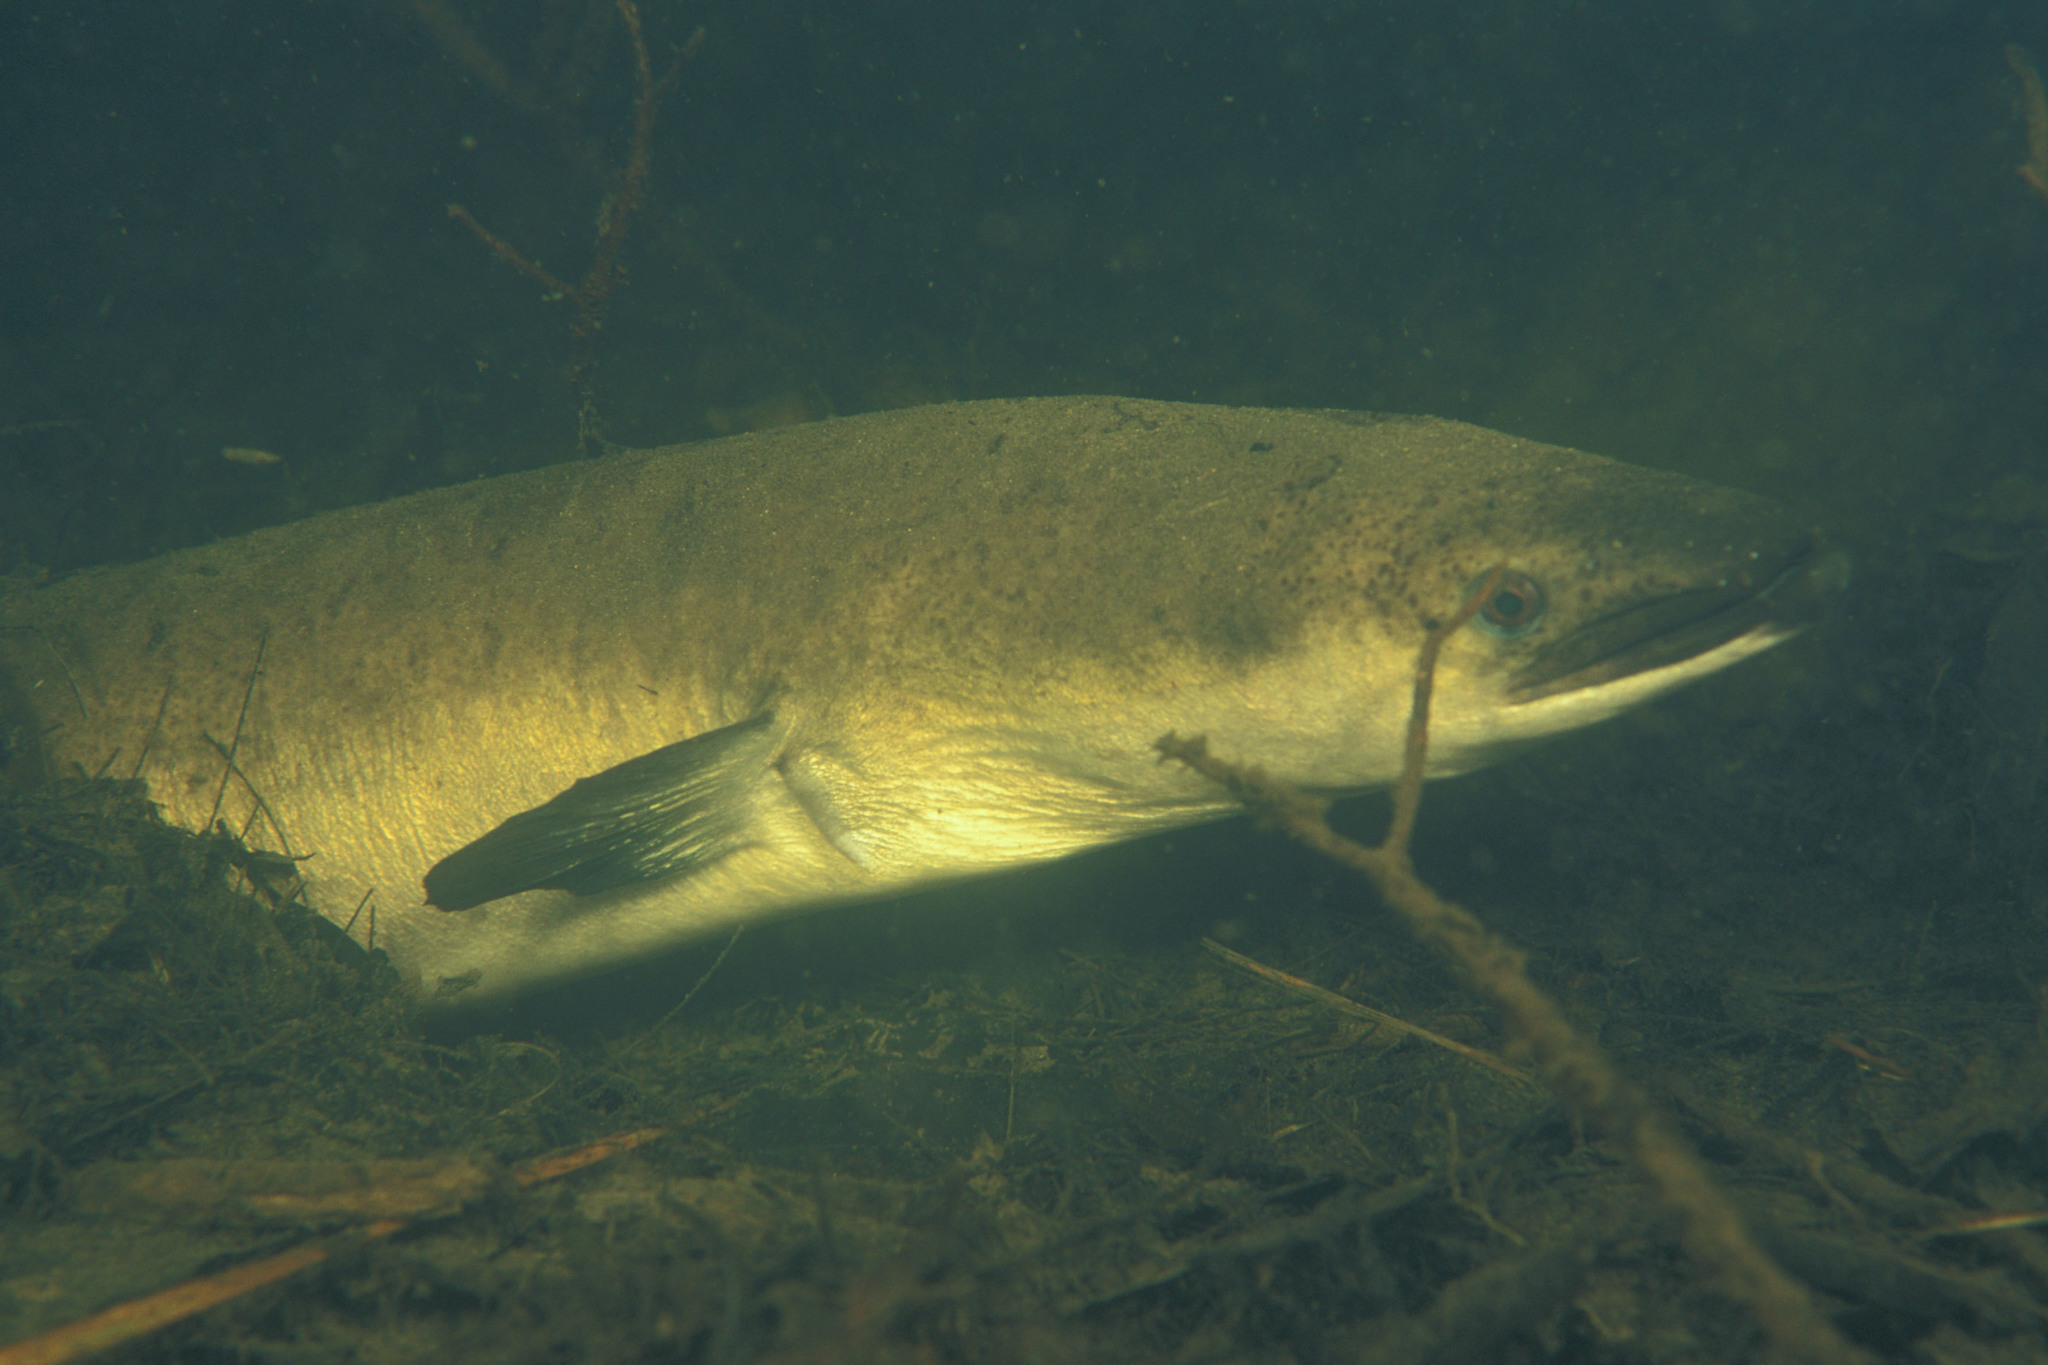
1601 585
1615 583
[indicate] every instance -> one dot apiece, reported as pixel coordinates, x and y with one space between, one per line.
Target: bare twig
605 274
1573 1066
689 995
1344 1005
2034 108
139 1317
234 743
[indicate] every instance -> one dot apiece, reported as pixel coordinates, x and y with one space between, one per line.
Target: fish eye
1514 607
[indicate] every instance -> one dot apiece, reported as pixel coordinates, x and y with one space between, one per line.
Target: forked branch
1574 1066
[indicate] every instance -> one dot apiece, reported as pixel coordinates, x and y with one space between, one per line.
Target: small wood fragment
139 1317
249 455
2034 109
1344 1005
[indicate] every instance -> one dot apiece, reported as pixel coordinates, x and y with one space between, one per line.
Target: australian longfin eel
560 719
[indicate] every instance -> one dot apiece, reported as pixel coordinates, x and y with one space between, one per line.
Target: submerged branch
1574 1066
591 293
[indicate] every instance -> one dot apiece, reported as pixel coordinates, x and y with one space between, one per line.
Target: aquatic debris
1574 1066
250 455
605 274
1351 1007
139 1317
2034 108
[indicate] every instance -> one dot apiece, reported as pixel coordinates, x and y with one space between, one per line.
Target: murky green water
1782 247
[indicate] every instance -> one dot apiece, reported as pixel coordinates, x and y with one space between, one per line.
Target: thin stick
689 995
155 728
1415 752
69 677
262 807
604 1149
462 44
2034 108
48 424
235 742
613 217
349 928
1575 1067
512 255
139 1317
1345 1005
1990 1222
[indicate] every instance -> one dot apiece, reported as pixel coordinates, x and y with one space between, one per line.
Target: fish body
598 709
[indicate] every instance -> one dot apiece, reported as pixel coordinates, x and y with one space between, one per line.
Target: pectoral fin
663 813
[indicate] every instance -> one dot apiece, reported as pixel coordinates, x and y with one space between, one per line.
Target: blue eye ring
1514 608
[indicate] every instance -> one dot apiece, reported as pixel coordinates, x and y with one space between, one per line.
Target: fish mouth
1768 599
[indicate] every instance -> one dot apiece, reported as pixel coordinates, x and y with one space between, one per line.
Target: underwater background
1798 248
